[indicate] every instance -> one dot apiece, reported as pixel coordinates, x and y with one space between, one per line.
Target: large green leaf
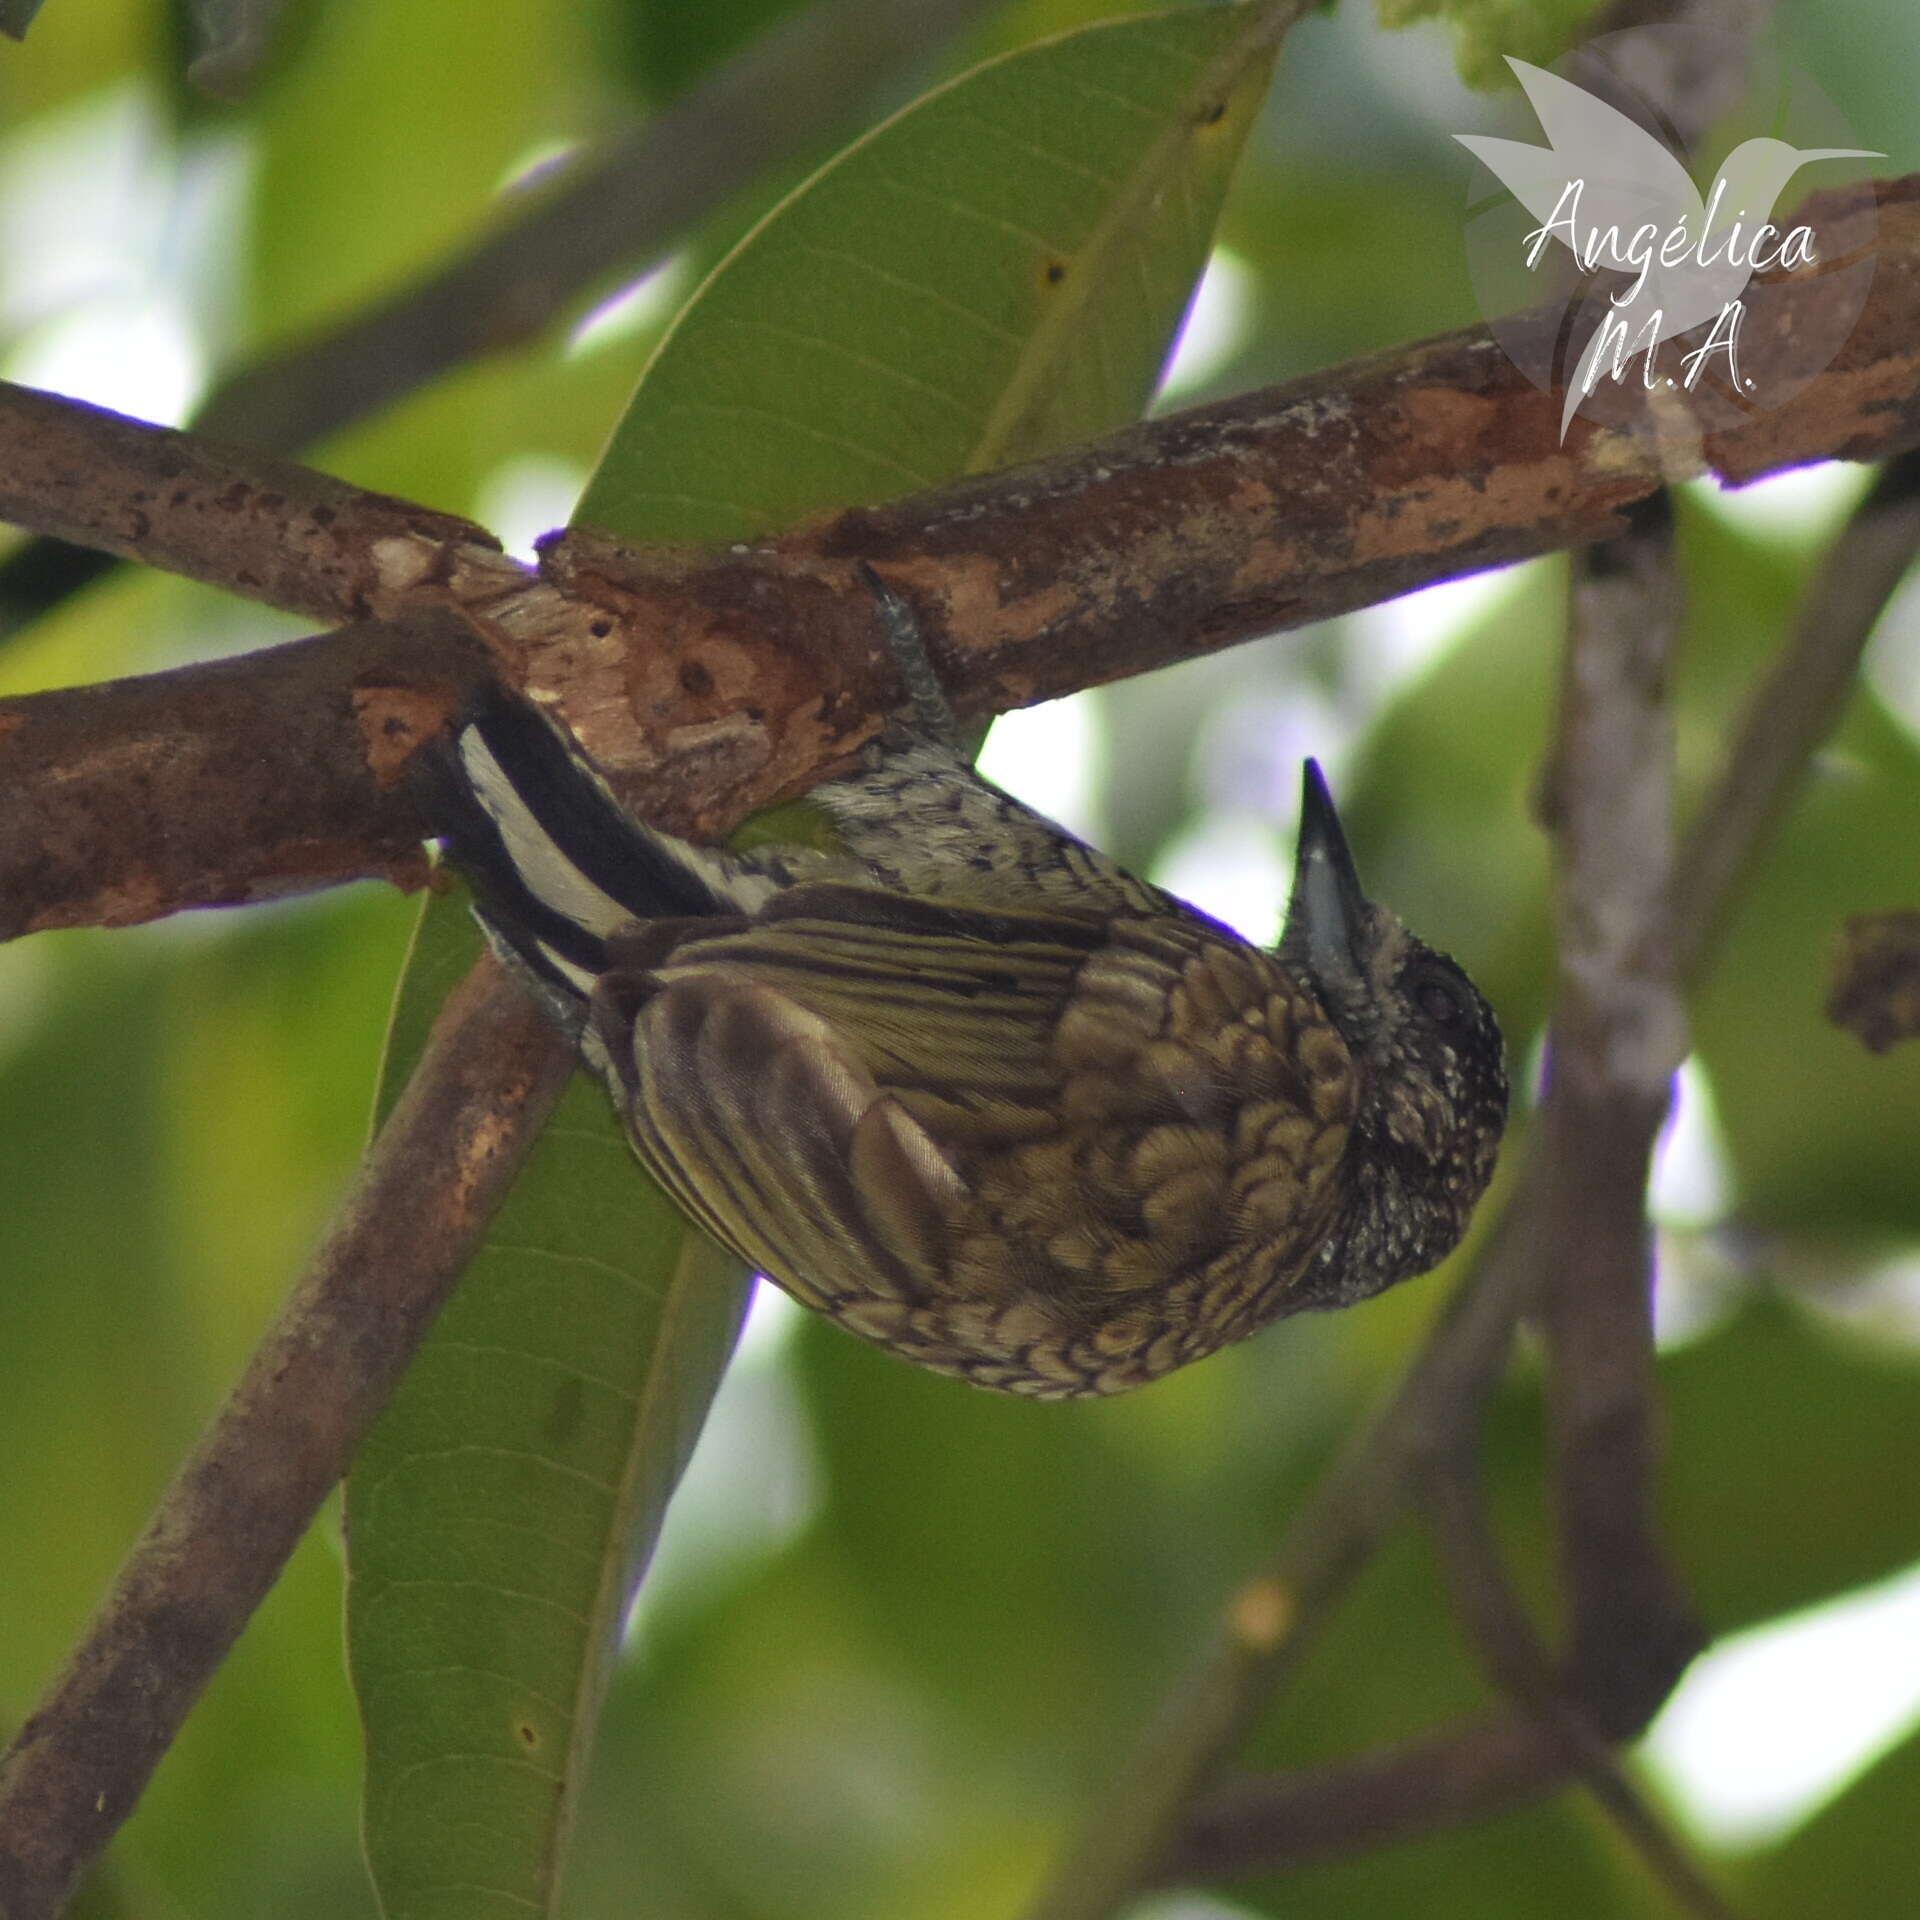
996 271
999 269
500 1516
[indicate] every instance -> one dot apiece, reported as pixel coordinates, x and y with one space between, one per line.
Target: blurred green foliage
892 1655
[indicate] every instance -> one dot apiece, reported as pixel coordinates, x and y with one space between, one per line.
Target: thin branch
1619 1035
1484 1766
1492 1764
1519 1662
492 1070
1795 708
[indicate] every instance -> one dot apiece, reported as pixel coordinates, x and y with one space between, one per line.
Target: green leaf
995 272
1781 1428
500 1515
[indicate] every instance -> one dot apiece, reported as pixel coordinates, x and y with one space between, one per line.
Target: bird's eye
1438 999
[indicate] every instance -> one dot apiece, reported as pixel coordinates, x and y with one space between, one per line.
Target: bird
961 1083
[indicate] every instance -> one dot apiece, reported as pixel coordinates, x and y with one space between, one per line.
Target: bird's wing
871 1095
815 1085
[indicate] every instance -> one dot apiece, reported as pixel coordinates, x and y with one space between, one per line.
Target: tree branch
1488 1767
1519 1662
492 1071
719 682
1484 1766
1794 709
1619 1036
99 779
258 526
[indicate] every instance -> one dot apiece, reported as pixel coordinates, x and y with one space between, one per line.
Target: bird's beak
1327 914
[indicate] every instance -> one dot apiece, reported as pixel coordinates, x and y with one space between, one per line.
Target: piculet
967 1087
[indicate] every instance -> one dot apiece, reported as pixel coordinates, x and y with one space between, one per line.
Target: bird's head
1433 1098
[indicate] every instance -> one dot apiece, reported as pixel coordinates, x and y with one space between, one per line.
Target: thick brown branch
491 1072
103 783
260 527
718 682
1197 531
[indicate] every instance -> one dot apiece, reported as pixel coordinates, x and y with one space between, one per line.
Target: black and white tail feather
558 865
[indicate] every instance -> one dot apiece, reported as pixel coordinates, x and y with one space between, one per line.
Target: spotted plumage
970 1089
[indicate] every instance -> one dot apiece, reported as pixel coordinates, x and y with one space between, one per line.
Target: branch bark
715 683
99 779
1516 1658
1619 1036
492 1071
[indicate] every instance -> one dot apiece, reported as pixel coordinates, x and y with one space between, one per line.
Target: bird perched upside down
967 1087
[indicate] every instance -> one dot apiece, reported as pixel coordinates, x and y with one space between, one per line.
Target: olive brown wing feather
830 1086
813 1085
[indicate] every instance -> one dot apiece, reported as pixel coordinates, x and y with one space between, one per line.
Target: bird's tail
556 862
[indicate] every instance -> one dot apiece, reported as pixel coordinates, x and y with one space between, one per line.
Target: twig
1514 1655
492 1070
1794 709
1490 1764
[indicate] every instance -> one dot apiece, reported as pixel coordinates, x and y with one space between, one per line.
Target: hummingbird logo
1618 200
